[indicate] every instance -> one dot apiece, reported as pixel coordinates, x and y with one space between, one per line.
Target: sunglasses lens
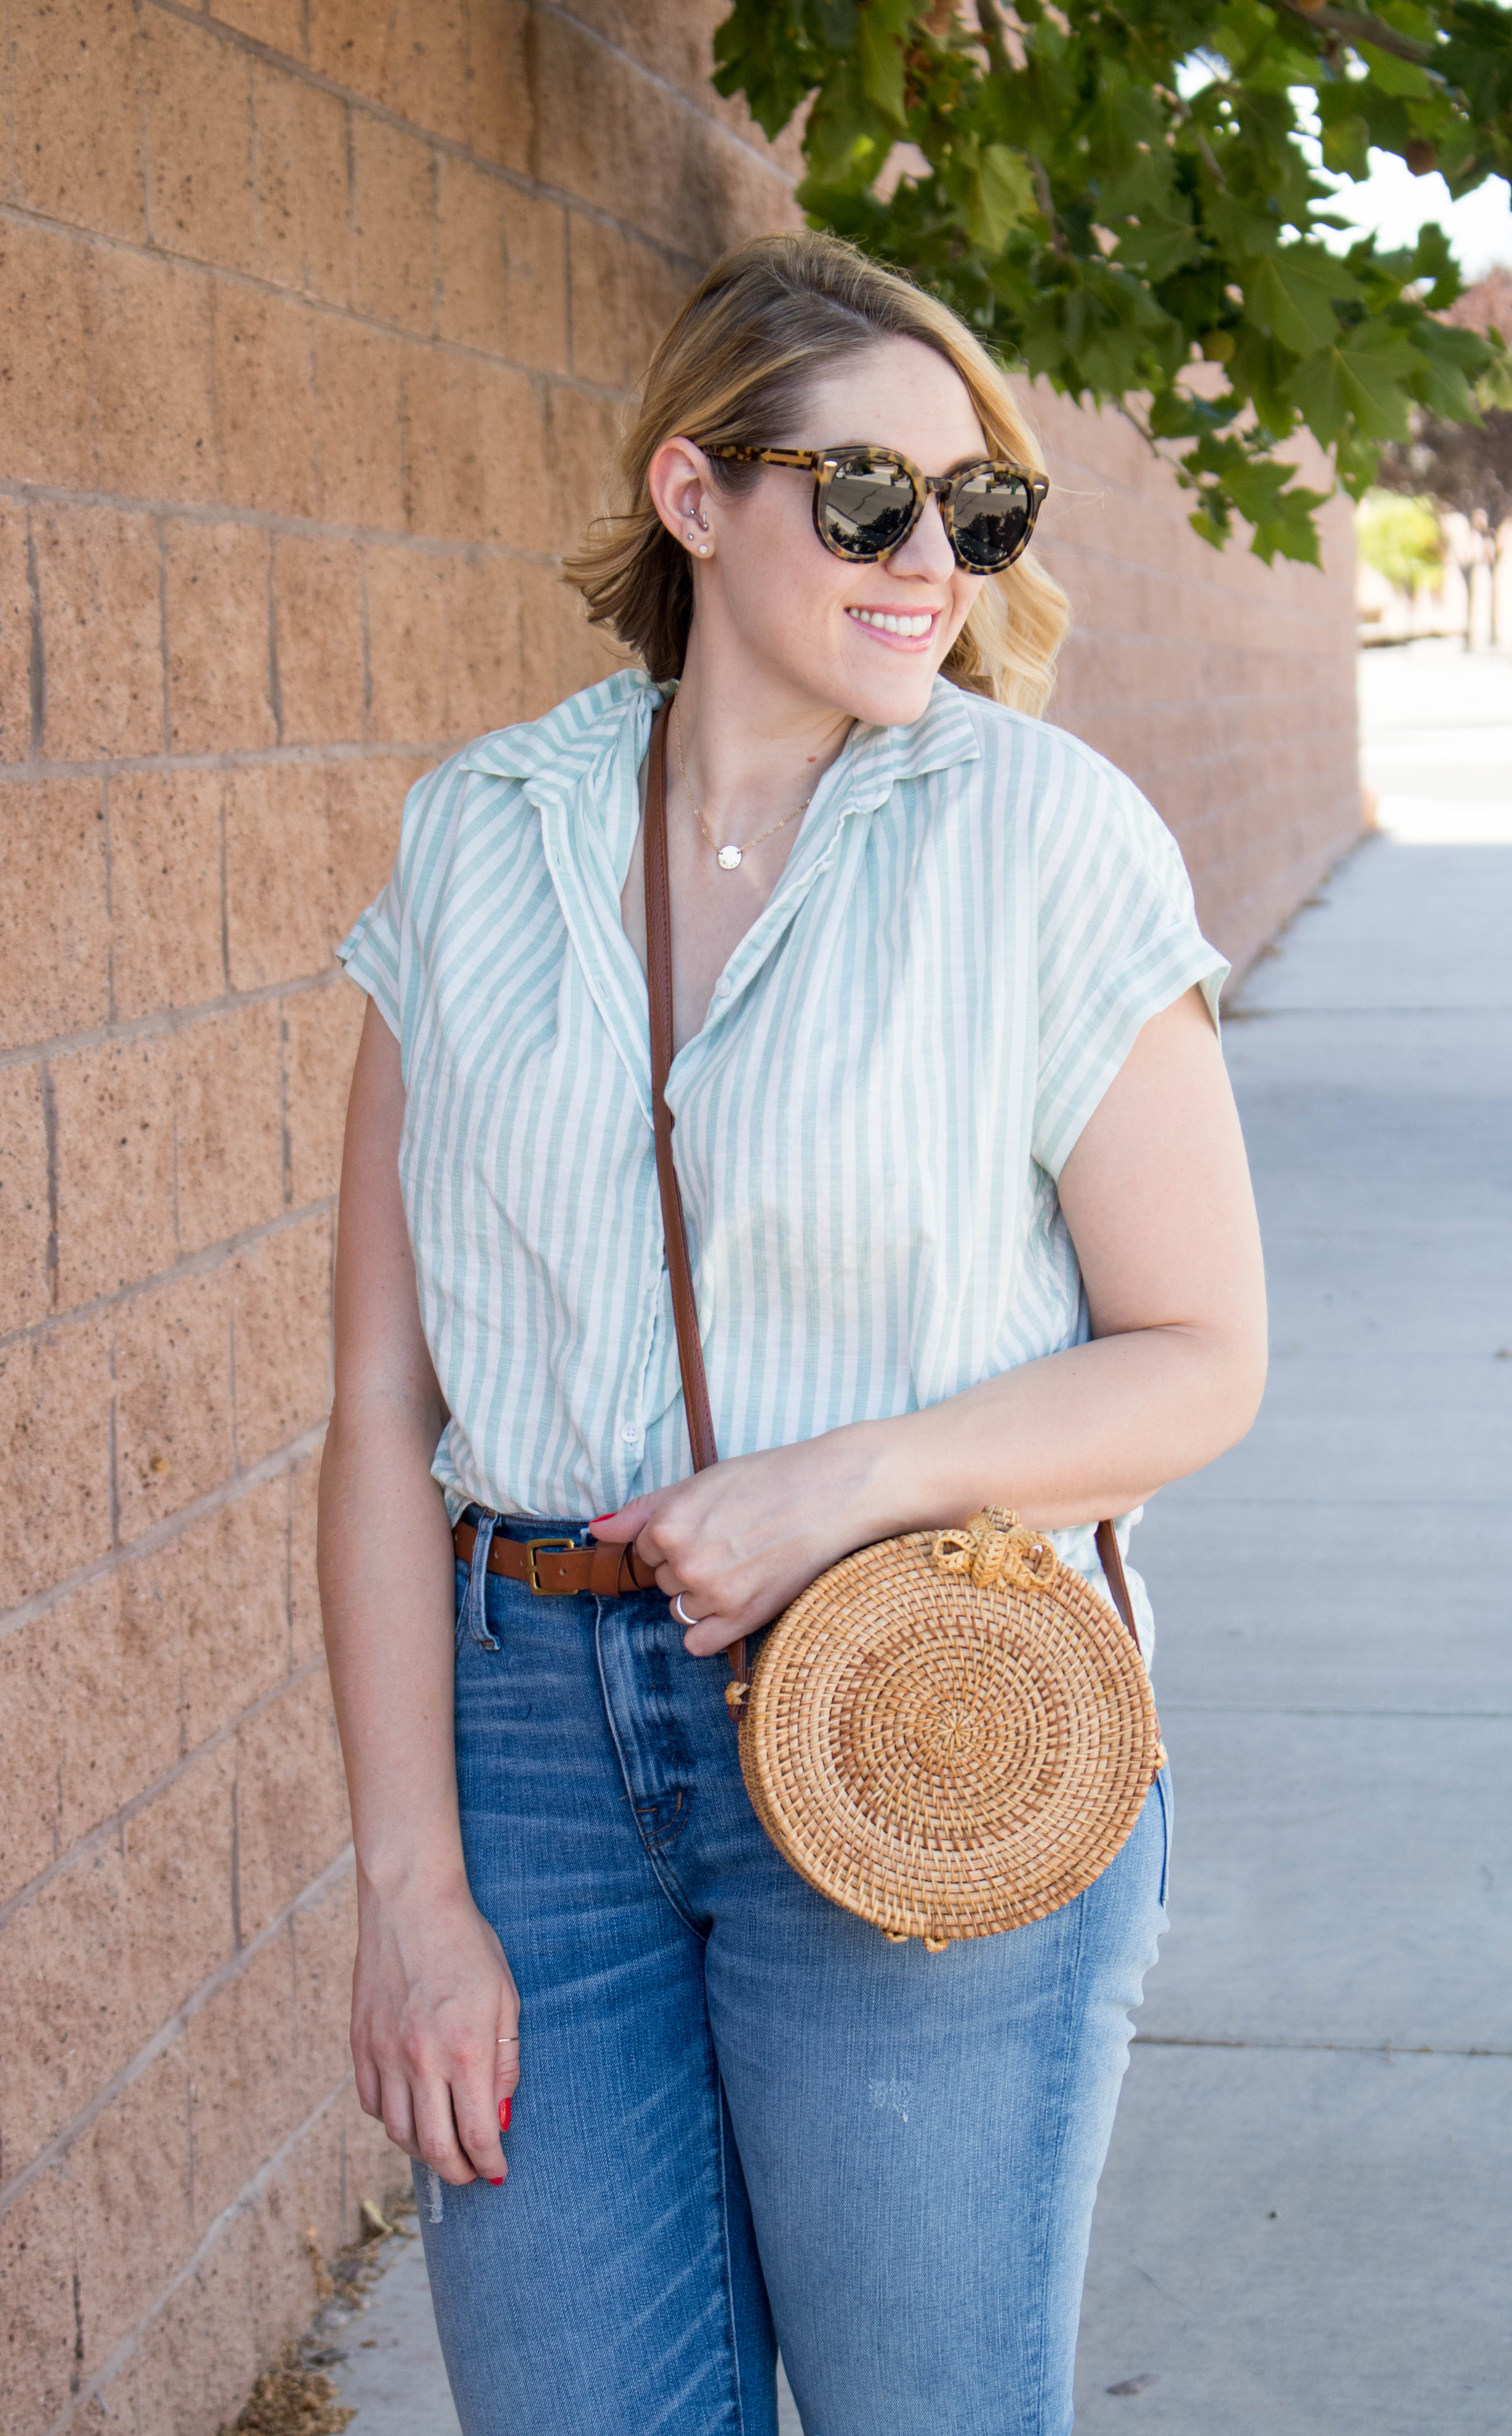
868 506
994 515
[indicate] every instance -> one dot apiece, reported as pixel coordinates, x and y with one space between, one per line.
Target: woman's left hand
739 1540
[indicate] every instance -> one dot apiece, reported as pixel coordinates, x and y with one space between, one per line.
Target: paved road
1306 2224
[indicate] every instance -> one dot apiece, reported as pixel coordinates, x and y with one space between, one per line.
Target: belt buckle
541 1589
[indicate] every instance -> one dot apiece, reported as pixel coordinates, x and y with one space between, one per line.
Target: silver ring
506 2042
681 1613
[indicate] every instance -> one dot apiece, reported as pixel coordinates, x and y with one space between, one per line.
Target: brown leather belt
558 1568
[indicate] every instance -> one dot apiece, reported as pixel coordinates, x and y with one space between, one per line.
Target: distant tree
1109 190
1401 539
1464 468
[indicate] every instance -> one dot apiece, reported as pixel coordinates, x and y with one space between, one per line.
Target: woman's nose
927 552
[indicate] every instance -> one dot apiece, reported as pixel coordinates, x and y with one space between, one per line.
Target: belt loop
475 1607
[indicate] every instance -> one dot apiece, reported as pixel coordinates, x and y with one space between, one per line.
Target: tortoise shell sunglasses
868 500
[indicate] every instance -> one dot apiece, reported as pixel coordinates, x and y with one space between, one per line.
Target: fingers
507 2065
706 1634
628 1522
445 2111
713 1633
396 2109
476 2112
368 2081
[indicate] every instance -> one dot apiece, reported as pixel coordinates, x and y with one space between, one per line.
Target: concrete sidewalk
1306 2224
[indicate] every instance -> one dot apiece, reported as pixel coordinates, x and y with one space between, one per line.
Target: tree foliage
1464 467
1401 539
1110 193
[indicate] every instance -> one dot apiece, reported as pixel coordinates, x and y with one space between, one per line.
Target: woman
971 1225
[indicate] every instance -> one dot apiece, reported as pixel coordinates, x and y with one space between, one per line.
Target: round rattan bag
949 1734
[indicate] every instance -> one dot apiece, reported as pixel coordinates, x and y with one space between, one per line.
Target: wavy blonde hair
733 370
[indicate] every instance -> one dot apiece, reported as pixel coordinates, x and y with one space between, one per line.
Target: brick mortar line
1098 552
432 341
281 525
95 1838
283 1459
1299 734
193 1265
520 181
1335 848
1209 762
167 1019
252 757
762 158
58 2146
245 2200
303 74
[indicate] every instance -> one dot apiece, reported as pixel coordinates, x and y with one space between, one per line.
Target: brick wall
1224 687
314 317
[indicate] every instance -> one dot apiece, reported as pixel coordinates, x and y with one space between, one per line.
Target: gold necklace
729 856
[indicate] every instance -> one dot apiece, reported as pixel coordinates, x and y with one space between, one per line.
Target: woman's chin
892 697
886 689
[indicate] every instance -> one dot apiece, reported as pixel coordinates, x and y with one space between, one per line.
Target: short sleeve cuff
1110 1022
370 953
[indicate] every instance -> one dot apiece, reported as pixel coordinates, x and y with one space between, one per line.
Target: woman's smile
908 628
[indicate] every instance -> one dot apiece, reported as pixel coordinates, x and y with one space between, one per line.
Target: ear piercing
703 546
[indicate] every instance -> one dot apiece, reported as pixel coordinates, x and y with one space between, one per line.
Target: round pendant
729 858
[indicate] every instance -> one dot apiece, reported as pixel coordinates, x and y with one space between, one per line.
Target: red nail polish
603 1518
504 2114
497 2182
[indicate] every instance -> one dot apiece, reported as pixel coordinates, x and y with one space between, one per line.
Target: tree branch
1354 26
994 33
1041 177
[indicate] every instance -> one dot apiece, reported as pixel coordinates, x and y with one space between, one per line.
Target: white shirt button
722 989
630 1433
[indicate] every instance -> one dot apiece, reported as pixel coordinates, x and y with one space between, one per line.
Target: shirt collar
561 749
555 755
881 759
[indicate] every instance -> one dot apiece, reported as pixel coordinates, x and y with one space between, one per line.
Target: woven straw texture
949 1734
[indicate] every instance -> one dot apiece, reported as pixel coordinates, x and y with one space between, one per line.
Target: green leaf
1364 379
1262 369
1289 529
762 55
1478 57
1183 218
1393 75
1432 260
884 24
1002 196
1290 295
1159 241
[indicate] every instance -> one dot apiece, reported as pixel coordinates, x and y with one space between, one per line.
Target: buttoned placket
590 814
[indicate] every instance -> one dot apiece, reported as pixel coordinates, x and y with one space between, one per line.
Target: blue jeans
745 2119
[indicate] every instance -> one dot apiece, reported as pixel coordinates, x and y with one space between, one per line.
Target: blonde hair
733 370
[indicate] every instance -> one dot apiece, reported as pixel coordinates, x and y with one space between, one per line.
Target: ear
684 495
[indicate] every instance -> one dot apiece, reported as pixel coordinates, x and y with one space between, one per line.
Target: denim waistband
529 1526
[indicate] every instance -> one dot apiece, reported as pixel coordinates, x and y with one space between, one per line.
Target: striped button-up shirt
976 918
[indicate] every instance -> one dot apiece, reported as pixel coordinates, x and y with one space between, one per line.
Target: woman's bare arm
1158 1199
432 1992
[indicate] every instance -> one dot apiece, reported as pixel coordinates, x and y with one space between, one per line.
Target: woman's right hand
435 2029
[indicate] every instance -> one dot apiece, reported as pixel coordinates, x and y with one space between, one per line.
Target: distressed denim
745 2119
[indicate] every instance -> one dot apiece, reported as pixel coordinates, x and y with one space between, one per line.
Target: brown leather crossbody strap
685 1302
659 987
1111 1556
